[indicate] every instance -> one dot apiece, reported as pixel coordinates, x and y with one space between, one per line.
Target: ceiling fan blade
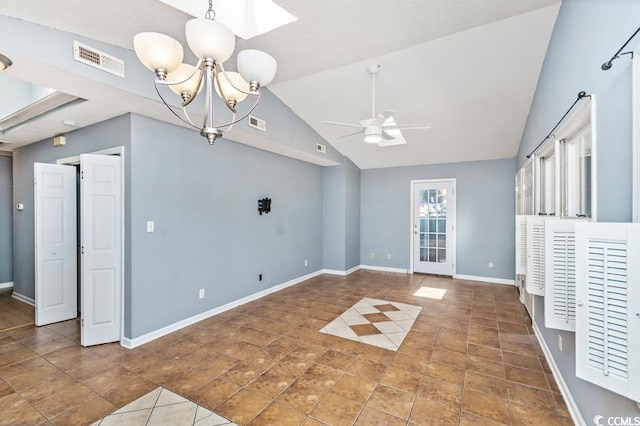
350 134
408 127
386 114
342 124
368 122
392 142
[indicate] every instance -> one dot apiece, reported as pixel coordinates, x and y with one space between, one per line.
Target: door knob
53 252
579 303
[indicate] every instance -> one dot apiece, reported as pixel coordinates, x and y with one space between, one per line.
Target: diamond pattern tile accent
365 329
378 317
162 407
375 322
386 307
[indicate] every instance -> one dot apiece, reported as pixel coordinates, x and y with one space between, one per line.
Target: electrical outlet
388 256
201 293
372 255
260 277
490 265
306 262
560 342
150 226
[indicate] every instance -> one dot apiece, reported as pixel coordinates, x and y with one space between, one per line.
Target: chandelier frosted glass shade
256 65
158 51
227 84
188 77
213 43
210 39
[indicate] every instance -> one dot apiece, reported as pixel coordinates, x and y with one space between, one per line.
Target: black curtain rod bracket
607 65
581 96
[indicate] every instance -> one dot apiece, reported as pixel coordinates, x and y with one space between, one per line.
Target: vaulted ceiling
468 67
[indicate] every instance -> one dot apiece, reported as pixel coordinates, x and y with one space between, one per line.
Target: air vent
257 123
321 148
97 59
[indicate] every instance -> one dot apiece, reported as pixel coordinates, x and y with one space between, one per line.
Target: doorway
433 219
99 220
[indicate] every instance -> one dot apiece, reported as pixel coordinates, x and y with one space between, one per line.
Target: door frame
412 188
74 161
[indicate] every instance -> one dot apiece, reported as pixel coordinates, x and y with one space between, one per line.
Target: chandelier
213 43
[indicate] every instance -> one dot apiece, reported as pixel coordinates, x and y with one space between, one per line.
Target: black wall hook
264 205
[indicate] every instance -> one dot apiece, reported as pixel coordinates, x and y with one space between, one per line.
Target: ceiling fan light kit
380 129
213 44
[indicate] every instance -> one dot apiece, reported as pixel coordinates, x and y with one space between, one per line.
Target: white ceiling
469 67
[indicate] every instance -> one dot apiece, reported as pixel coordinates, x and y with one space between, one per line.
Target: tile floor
470 358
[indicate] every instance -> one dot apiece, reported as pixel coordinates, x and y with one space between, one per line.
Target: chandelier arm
230 125
216 76
234 86
172 111
257 94
186 115
197 68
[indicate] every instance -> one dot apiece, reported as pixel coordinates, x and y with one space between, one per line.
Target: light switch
150 226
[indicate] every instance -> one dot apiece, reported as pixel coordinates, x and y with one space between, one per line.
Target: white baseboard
6 285
484 279
342 273
146 338
576 416
23 298
384 269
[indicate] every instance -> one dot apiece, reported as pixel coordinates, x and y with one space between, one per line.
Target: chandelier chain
211 14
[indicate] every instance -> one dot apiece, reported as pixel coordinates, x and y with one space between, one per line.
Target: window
578 174
547 181
565 168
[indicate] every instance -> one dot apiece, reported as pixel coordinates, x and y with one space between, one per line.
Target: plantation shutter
535 255
608 308
560 274
521 245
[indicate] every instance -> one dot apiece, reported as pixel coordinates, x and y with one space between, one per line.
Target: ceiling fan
380 129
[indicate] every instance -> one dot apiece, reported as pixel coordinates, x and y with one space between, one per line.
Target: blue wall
352 221
341 216
484 215
588 33
6 212
208 233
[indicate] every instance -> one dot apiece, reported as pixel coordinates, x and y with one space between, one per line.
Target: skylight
246 18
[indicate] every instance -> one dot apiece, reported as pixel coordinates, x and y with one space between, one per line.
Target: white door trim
412 186
120 151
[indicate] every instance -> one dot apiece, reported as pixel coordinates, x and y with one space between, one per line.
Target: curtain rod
581 95
607 65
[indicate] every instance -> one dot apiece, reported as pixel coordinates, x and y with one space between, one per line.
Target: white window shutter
521 245
560 274
535 255
608 308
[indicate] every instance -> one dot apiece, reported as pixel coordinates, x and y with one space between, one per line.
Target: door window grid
433 225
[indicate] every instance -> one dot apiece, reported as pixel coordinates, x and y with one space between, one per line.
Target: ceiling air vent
257 123
321 148
97 59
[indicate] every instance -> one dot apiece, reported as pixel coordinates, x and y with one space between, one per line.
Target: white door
434 213
101 241
55 238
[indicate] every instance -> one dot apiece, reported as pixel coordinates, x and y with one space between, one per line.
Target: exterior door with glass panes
434 213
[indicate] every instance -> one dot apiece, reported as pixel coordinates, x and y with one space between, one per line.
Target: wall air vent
321 148
97 59
257 123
